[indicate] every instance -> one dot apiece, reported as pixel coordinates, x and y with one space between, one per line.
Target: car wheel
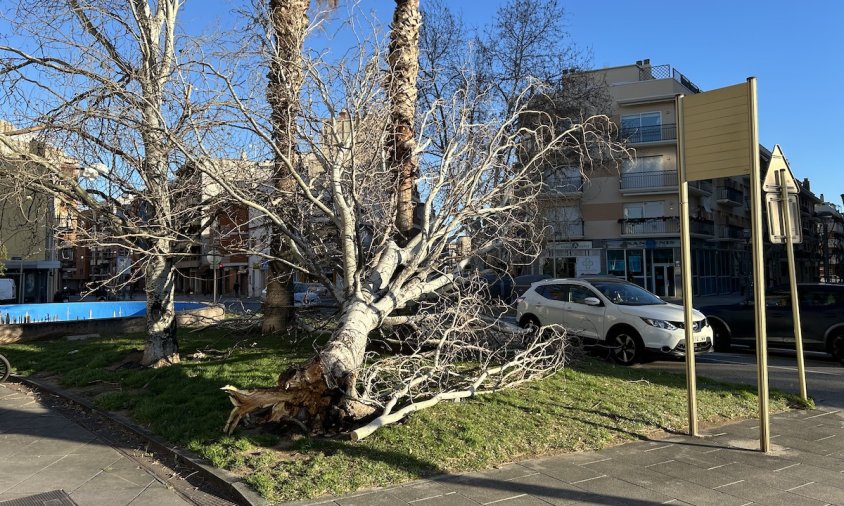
5 369
720 337
529 322
836 346
626 347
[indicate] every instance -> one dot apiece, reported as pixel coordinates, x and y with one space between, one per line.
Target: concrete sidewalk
43 451
723 468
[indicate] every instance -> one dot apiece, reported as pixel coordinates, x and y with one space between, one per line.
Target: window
554 292
642 164
564 179
821 296
578 294
565 222
636 210
642 127
615 262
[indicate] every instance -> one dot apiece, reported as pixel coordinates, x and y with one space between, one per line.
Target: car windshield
625 294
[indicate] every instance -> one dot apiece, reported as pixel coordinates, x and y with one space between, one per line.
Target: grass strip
591 405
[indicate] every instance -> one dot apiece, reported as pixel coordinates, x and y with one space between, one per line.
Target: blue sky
794 50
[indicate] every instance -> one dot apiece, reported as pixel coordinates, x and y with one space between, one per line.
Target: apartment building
625 221
27 220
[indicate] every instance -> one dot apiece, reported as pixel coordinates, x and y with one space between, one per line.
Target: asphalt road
824 376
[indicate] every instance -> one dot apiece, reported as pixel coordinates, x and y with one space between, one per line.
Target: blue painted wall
70 311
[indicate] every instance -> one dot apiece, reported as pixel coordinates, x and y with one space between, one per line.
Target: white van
7 290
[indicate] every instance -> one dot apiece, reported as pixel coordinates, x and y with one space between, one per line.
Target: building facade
27 222
625 222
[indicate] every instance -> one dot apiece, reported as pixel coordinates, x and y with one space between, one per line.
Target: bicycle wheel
5 369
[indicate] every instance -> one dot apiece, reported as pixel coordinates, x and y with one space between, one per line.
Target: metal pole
758 273
825 223
792 278
214 268
20 281
686 266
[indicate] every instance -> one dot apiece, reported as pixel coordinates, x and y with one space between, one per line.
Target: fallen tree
421 299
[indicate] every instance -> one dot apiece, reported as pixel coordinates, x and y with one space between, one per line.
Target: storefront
717 268
570 259
651 263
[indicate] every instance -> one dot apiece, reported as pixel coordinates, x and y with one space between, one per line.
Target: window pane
557 292
578 294
651 118
615 262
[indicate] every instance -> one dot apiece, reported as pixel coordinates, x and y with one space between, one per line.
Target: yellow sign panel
716 129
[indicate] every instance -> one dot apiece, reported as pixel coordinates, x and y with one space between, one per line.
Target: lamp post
214 259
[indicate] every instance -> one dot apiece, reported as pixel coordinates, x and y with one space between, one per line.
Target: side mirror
592 301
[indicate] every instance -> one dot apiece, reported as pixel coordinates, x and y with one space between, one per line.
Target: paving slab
42 451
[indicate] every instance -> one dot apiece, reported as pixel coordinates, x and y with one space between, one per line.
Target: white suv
623 316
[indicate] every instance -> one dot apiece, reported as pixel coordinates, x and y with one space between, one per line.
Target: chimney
806 184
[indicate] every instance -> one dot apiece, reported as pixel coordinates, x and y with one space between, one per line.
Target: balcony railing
567 184
664 225
653 133
643 226
729 196
653 179
648 72
565 230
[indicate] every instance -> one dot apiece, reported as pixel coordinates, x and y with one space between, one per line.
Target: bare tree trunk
161 347
320 392
288 23
344 354
401 88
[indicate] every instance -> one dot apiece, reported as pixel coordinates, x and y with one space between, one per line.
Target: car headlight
660 324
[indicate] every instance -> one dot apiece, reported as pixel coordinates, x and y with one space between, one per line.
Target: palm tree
288 23
403 59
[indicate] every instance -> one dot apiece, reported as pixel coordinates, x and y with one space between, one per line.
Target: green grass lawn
590 405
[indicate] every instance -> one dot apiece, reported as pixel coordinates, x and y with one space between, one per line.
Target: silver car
622 316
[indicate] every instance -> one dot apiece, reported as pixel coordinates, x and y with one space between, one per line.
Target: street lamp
214 258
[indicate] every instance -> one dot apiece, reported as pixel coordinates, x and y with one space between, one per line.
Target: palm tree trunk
401 88
288 22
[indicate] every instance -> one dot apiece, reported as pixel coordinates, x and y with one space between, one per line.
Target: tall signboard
717 136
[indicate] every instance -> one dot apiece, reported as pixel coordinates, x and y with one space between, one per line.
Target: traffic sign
776 223
779 175
778 164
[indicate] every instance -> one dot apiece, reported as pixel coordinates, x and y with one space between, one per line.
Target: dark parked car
821 319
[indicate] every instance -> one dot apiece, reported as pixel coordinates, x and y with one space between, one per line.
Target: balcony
665 225
730 197
652 133
565 231
652 182
562 186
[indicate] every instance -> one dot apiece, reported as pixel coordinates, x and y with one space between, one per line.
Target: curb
239 491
